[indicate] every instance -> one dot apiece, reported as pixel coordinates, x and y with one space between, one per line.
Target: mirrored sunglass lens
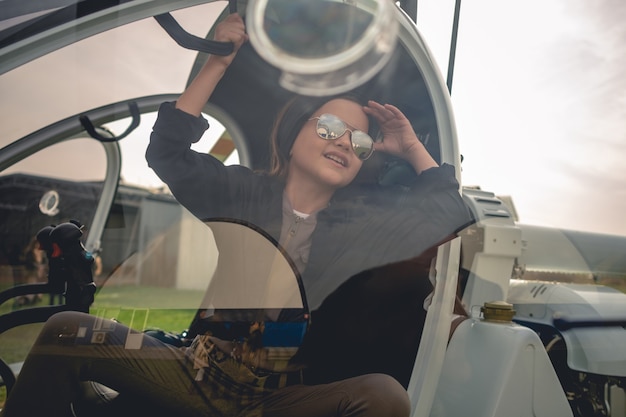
362 144
330 127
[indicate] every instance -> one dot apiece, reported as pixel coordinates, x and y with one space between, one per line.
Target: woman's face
329 163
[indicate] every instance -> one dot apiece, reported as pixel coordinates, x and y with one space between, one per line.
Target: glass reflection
306 29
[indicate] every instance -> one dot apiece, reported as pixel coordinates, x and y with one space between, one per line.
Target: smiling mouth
336 159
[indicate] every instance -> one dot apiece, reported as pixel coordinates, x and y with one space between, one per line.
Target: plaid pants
229 384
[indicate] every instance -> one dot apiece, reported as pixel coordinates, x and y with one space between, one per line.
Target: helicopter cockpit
132 230
387 296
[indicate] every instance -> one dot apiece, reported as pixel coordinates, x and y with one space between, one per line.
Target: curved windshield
307 236
44 189
51 186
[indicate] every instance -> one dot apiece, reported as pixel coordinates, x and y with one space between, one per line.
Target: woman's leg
371 395
74 347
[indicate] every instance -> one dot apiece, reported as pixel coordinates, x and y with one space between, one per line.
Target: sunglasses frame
346 129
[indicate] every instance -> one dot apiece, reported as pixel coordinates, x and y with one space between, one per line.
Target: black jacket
364 227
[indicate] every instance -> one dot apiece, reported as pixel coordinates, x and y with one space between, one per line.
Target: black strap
89 127
189 41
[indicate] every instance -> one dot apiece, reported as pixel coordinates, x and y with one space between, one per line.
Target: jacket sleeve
422 215
436 195
199 182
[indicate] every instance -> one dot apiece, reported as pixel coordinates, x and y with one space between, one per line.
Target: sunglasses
331 127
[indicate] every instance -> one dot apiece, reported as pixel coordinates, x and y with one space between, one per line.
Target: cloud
540 99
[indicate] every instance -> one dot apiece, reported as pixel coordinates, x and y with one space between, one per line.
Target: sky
539 95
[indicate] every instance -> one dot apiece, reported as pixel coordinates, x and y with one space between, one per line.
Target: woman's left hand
399 138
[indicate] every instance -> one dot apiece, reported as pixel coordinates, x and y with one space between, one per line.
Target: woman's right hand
193 99
232 29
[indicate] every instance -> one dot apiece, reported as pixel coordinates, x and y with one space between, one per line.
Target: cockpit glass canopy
323 47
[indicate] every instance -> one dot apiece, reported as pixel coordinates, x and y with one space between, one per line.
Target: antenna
455 30
410 8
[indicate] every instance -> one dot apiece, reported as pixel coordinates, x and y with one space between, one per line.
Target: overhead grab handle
89 127
189 41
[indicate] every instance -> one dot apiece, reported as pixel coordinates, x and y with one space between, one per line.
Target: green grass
166 308
139 307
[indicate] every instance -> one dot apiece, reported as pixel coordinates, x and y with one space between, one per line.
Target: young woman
318 147
309 205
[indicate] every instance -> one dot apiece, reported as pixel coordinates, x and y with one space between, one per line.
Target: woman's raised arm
193 99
